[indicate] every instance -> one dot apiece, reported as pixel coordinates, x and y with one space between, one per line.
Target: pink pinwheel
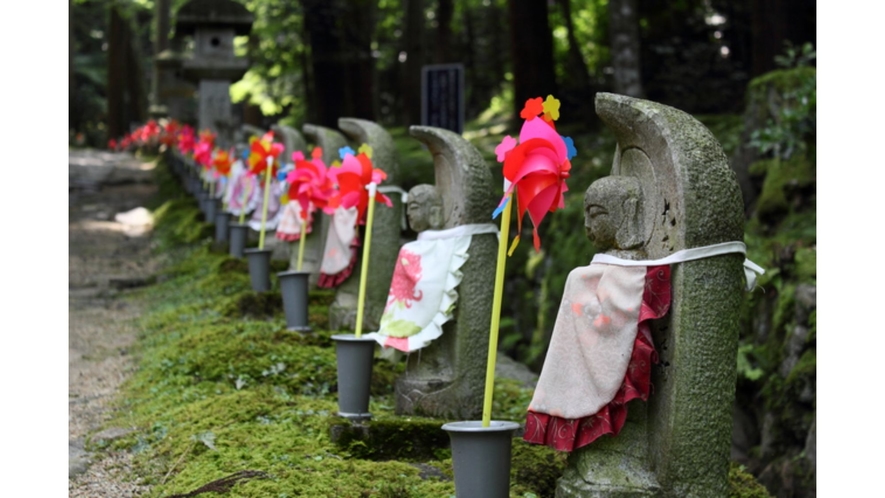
186 140
203 153
538 166
310 184
355 173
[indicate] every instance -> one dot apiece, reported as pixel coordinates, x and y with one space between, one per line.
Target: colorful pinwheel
352 177
310 183
536 166
222 162
203 152
169 135
260 150
186 140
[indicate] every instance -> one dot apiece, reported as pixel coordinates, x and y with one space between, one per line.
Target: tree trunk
413 46
117 48
623 22
444 12
161 43
531 44
776 21
359 29
340 34
578 92
325 46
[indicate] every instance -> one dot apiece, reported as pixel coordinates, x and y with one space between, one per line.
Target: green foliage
792 128
796 56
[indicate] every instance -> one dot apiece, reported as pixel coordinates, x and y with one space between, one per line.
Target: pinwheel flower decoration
203 149
222 162
310 182
352 177
260 150
186 140
537 165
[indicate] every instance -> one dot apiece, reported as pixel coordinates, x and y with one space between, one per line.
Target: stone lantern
213 66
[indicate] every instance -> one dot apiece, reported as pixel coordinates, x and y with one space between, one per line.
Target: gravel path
109 253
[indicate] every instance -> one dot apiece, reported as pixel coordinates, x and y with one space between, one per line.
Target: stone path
109 252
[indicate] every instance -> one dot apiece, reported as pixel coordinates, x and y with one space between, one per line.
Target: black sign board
442 96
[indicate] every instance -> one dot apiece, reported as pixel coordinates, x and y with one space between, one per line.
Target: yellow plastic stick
301 242
266 198
364 264
496 314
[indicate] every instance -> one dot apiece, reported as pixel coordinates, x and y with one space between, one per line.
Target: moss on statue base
742 484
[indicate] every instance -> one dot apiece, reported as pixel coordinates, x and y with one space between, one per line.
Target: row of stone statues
653 318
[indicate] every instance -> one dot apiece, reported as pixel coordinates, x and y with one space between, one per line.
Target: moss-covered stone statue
439 300
639 379
386 230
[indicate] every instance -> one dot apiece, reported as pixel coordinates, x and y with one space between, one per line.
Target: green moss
742 484
535 469
782 179
806 367
260 305
400 438
806 263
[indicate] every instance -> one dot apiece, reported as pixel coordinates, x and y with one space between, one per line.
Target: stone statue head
425 208
613 213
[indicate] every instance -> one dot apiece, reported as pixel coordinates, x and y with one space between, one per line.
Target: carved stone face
611 208
424 209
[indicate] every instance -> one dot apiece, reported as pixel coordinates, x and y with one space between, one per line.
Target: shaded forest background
744 68
317 60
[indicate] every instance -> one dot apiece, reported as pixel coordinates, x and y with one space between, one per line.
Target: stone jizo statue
424 208
638 383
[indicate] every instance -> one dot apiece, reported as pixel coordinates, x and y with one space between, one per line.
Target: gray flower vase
355 358
481 457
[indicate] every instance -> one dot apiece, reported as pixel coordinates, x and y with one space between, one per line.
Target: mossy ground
222 388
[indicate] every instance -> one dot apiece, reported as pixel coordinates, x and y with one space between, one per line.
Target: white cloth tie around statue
751 269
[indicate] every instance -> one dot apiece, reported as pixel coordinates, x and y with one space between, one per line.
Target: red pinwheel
538 166
260 150
354 174
310 183
169 134
222 162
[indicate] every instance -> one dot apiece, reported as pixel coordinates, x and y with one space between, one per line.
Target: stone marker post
385 233
446 379
213 24
676 445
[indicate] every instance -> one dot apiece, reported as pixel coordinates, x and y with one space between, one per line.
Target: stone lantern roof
214 14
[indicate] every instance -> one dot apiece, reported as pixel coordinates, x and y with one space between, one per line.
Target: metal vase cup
222 220
239 232
212 208
259 268
355 357
294 287
481 457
